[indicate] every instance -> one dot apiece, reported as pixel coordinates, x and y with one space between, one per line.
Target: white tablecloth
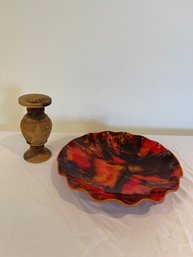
41 217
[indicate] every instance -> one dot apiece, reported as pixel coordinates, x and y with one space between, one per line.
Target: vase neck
36 113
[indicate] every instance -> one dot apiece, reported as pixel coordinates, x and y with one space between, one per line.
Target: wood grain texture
36 126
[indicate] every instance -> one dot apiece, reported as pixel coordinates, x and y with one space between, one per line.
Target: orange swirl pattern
119 166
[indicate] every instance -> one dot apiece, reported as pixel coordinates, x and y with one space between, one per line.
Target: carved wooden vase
36 126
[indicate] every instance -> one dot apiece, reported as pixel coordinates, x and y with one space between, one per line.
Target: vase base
37 154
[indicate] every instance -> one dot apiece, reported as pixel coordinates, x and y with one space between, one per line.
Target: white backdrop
117 64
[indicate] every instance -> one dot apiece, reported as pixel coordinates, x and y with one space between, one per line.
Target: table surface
41 216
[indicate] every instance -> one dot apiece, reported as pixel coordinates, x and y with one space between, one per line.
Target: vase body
36 127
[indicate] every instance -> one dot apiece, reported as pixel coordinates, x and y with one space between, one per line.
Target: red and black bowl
119 166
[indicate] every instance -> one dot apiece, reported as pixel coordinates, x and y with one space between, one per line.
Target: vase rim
34 100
